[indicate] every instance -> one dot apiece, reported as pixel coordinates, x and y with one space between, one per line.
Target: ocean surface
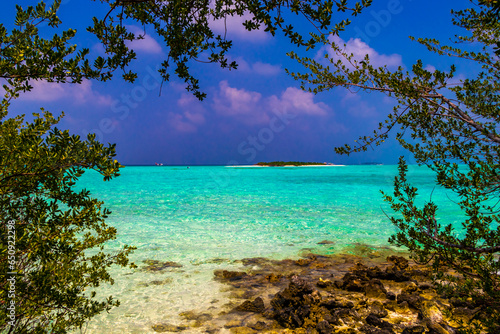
207 218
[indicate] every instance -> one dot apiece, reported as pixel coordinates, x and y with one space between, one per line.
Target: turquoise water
206 217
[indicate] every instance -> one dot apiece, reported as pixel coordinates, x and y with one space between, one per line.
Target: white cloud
231 101
232 27
146 44
266 69
297 101
80 93
191 117
251 108
263 69
359 50
430 68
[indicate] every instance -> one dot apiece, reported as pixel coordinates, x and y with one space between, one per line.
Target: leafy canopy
452 126
59 232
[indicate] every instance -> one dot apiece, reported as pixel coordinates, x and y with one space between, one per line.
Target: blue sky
257 113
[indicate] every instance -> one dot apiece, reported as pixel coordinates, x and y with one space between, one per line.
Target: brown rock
229 275
375 289
375 321
326 242
164 327
323 327
414 330
242 330
256 306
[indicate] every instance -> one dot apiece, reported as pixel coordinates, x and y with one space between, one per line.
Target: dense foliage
52 249
452 126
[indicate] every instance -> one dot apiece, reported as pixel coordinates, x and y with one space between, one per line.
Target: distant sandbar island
292 164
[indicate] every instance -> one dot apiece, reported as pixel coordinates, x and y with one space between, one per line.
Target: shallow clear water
204 218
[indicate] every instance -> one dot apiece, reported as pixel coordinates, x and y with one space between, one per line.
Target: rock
229 275
414 330
326 242
290 305
398 261
323 327
375 321
375 289
273 278
163 327
200 317
260 325
429 310
256 306
410 288
367 329
391 295
347 316
303 262
434 328
378 309
351 282
337 303
155 265
233 323
332 319
414 300
324 283
242 330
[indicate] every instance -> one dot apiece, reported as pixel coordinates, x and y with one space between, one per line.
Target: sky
255 113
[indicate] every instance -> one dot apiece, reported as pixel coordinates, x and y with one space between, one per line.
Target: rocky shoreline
329 294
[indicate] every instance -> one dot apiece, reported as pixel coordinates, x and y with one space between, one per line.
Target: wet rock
377 309
155 265
326 242
332 319
429 310
414 299
164 327
199 317
410 288
242 330
414 330
352 282
375 321
321 283
273 278
375 289
256 306
226 275
323 327
398 261
290 308
260 325
367 329
303 262
347 316
391 295
335 303
425 286
434 328
233 323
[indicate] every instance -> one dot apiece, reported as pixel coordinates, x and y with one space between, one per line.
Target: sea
204 218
